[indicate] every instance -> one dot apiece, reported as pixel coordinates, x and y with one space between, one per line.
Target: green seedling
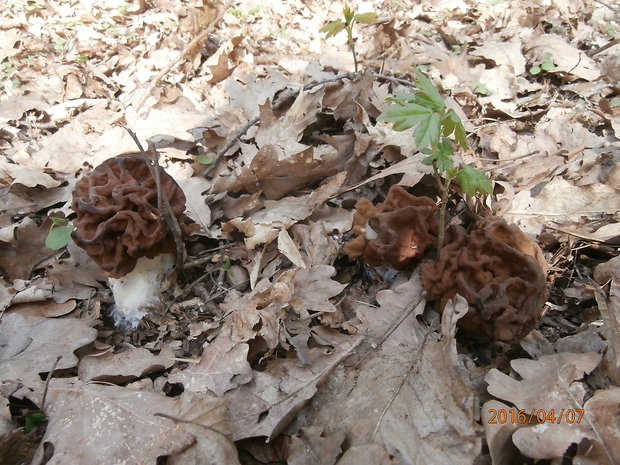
60 44
480 88
437 130
59 235
350 17
545 65
204 159
610 30
32 420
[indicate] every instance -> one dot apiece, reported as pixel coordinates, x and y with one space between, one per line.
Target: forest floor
271 345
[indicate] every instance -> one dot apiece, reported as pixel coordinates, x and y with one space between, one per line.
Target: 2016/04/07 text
534 415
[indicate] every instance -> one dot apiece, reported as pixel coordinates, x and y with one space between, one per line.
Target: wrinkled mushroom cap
394 232
117 217
499 270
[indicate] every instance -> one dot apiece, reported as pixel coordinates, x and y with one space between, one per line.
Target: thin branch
394 80
190 422
601 49
48 380
167 212
151 159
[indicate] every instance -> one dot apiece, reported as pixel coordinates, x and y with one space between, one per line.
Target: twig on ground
601 49
151 159
190 422
395 80
47 381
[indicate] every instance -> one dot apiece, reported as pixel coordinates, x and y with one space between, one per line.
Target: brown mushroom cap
117 217
499 270
403 227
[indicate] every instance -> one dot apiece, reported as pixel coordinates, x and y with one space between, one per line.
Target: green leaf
426 86
460 135
332 28
56 221
58 237
448 125
441 156
535 70
547 65
32 420
426 101
473 180
427 132
405 116
348 13
204 159
366 18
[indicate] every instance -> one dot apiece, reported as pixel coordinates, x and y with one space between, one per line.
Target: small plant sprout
350 18
204 159
60 233
437 130
545 65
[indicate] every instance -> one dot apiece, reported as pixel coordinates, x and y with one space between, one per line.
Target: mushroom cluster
119 225
394 232
499 270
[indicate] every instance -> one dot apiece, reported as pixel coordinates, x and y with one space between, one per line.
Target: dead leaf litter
271 344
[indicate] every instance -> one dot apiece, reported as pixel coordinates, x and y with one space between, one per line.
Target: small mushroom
120 227
395 232
499 270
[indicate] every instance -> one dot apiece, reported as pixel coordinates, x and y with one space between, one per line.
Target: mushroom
499 270
394 232
120 227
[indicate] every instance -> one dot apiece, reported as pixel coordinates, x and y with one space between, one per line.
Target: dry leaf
288 248
97 424
598 425
499 435
223 366
265 406
204 417
566 57
610 313
392 396
195 200
47 309
313 287
367 454
503 53
30 347
263 226
311 447
561 202
30 177
285 133
125 366
19 259
549 387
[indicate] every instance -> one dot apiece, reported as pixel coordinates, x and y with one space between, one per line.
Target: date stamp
502 416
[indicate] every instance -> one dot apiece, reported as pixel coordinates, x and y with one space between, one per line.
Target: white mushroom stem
135 292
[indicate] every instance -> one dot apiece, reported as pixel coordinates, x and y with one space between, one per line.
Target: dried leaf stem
48 380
